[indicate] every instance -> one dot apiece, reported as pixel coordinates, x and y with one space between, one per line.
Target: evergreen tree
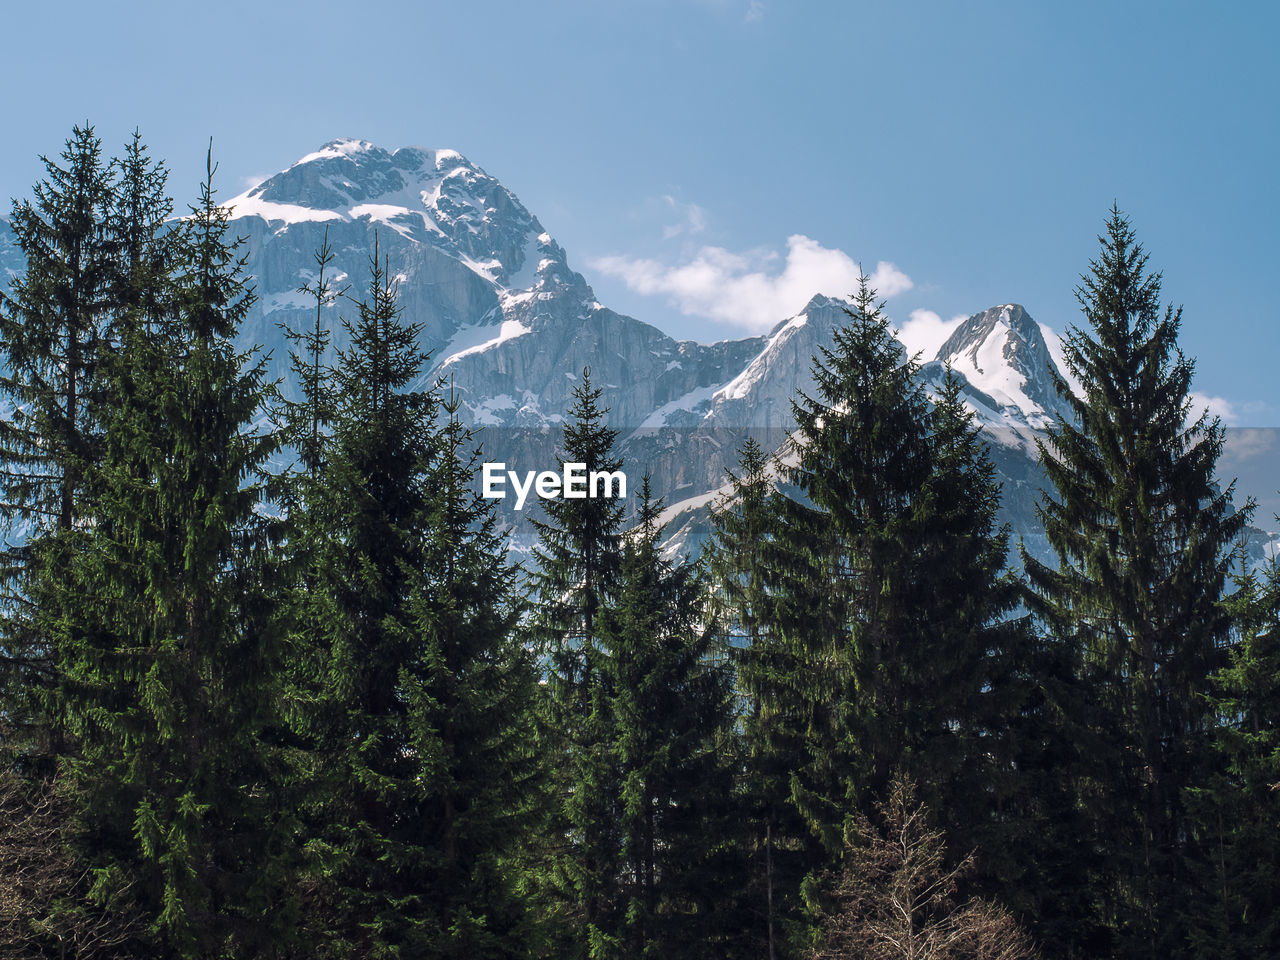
368 512
414 724
579 547
470 716
1236 910
670 707
975 650
310 418
770 739
845 578
885 577
172 670
52 325
51 328
886 602
578 558
1142 537
141 288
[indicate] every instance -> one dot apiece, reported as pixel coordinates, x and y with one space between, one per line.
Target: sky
708 165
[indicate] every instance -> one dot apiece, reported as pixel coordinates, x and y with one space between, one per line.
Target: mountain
510 327
500 309
1000 356
1005 362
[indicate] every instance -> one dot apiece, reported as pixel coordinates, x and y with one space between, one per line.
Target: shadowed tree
1143 538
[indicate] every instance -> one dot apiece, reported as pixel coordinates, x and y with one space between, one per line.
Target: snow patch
987 367
485 411
250 206
342 147
477 339
690 402
741 385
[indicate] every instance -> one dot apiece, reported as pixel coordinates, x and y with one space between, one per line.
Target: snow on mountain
472 264
511 326
436 196
1002 355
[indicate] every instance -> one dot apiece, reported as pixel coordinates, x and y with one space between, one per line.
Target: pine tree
470 717
368 513
579 547
845 577
51 328
886 609
172 671
962 754
885 577
53 322
1142 536
141 286
770 739
578 558
670 706
310 418
1236 910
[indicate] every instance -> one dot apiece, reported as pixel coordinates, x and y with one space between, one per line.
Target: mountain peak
434 197
340 147
347 173
1002 353
975 331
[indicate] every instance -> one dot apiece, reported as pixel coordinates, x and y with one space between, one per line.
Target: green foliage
1235 814
639 724
885 585
579 556
669 689
52 326
771 832
144 574
301 716
1143 538
412 698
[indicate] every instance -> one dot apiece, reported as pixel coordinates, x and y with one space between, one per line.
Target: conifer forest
316 712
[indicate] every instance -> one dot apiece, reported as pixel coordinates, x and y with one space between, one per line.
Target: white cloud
925 332
251 181
755 10
693 219
1217 407
747 289
1247 444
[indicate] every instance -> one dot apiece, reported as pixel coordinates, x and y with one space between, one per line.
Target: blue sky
706 162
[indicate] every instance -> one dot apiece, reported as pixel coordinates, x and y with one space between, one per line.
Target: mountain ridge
512 326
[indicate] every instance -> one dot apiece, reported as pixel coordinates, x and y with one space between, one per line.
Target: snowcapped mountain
510 327
1001 358
476 270
1005 362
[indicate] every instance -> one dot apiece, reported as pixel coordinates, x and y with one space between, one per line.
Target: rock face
510 328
